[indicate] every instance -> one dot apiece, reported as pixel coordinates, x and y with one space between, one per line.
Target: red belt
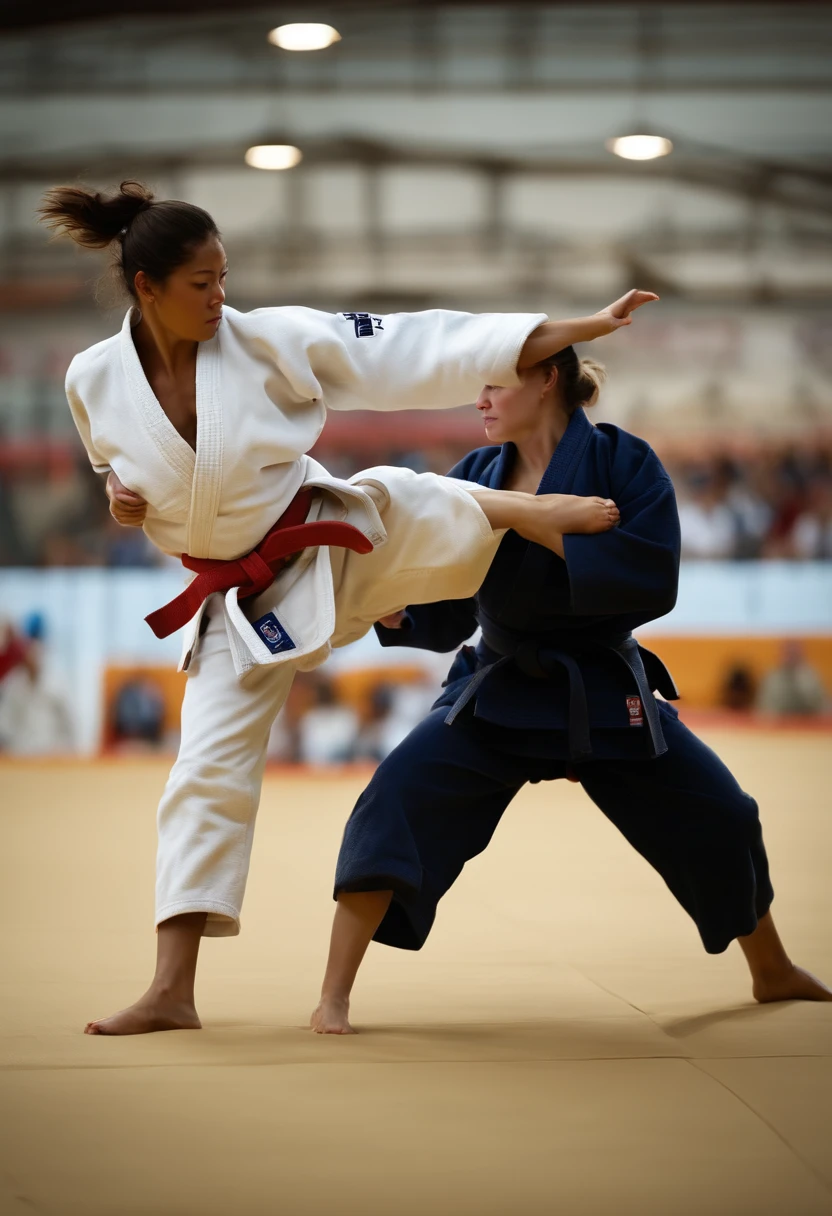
257 570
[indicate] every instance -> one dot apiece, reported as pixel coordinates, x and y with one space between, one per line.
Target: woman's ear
143 287
551 379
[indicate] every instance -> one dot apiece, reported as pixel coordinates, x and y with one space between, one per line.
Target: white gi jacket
263 385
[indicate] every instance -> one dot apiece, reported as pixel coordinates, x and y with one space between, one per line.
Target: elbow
667 603
668 592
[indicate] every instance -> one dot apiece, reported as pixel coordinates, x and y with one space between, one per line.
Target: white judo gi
263 385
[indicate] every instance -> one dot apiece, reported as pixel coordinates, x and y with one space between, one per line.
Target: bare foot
565 513
154 1011
793 984
332 1016
575 513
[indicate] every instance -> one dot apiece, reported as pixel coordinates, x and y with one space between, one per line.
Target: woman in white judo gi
202 417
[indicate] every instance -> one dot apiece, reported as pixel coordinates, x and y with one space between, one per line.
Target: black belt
538 658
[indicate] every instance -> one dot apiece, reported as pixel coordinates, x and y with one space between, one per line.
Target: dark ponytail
579 380
155 237
93 220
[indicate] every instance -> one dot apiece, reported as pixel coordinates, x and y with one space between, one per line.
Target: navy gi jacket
557 672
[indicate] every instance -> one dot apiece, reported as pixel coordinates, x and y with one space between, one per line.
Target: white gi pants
439 546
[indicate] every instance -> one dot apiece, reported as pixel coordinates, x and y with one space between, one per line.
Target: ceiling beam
797 186
22 14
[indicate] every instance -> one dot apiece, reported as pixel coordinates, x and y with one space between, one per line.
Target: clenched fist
126 507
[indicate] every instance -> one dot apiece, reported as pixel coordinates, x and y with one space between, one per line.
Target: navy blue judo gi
557 685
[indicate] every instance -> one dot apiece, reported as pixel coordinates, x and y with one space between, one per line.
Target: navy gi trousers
435 801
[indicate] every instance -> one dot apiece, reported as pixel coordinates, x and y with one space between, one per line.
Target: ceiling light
273 156
640 147
304 36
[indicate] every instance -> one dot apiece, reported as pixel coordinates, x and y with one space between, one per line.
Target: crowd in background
775 503
770 501
763 500
323 723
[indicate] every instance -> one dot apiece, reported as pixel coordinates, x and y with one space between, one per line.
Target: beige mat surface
561 1046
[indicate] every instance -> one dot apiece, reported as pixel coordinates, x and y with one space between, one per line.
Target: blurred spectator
710 528
794 687
397 708
774 501
12 549
328 731
372 743
128 547
811 536
138 714
739 689
767 499
34 715
13 649
752 511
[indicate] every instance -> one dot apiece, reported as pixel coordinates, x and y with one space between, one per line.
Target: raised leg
357 916
545 518
442 538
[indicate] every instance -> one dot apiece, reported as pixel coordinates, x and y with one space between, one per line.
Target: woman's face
189 303
512 414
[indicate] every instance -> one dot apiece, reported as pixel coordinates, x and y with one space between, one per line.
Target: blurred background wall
453 156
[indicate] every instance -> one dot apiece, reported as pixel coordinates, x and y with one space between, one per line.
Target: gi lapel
178 455
499 471
200 472
207 475
559 477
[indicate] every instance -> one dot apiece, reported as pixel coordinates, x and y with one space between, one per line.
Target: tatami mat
561 1046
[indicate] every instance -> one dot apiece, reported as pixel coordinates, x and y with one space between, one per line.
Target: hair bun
587 386
93 219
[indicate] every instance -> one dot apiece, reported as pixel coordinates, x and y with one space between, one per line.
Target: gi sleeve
422 360
441 627
634 567
82 423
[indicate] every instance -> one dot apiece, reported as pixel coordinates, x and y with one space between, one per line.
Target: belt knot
258 574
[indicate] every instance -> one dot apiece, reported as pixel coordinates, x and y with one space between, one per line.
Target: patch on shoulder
365 323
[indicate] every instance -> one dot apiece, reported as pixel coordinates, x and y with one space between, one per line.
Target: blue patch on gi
269 629
363 323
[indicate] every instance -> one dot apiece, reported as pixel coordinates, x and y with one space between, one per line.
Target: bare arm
554 336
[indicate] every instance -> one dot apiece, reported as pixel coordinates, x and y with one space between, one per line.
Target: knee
740 811
399 771
214 790
743 808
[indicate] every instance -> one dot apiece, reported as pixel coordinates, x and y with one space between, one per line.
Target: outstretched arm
554 336
422 360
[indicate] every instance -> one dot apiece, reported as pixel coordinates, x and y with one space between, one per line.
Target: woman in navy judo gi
556 687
